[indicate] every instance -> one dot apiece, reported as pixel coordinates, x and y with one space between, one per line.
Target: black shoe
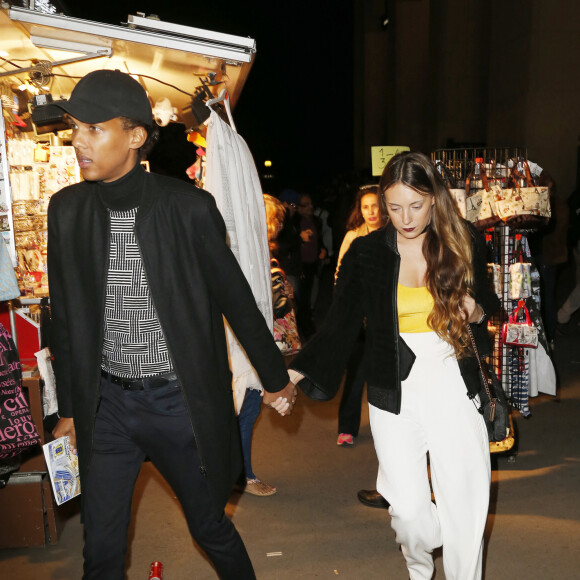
372 498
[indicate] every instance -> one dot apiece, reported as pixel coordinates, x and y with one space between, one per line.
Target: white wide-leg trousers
436 417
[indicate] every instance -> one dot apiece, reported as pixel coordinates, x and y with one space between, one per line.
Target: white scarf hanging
232 178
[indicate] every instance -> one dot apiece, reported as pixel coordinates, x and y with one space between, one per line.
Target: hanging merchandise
520 280
8 283
480 203
542 372
18 432
519 379
37 172
458 193
524 207
500 183
232 178
520 333
494 273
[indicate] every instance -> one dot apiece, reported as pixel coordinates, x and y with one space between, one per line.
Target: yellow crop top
414 306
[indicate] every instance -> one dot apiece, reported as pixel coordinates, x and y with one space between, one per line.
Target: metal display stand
500 239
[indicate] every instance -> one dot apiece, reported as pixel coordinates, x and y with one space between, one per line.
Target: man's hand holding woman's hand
283 401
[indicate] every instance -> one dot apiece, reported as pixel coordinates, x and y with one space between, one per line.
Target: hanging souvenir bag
520 280
492 401
524 207
494 273
8 283
480 203
457 193
523 334
285 327
18 432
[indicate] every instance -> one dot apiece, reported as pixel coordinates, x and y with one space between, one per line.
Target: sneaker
345 439
257 487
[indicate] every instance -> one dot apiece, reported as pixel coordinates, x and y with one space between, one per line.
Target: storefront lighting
60 44
162 34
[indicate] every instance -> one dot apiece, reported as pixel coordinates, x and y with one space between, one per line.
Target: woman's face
409 211
369 208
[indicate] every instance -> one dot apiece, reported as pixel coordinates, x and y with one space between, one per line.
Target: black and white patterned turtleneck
134 345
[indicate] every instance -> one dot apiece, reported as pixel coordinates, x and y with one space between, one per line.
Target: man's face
305 207
105 151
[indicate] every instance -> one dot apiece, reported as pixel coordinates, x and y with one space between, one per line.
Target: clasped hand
283 401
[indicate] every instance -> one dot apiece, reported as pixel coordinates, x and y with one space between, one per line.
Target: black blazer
366 289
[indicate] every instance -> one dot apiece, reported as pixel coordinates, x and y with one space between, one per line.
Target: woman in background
252 403
366 216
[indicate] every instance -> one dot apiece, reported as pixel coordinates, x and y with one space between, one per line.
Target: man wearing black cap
140 279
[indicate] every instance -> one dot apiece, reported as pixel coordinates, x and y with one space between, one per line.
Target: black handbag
493 403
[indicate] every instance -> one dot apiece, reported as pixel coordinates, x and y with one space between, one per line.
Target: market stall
42 57
507 198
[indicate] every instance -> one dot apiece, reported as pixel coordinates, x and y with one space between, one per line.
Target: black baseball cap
103 95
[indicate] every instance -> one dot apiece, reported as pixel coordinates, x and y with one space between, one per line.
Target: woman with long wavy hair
417 282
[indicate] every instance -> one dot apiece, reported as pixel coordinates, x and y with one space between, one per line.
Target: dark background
296 106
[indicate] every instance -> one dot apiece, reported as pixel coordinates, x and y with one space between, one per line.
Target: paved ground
314 527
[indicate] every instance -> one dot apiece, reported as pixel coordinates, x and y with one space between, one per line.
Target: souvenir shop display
481 203
520 333
504 202
37 171
525 207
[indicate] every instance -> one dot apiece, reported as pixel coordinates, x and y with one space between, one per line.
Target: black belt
152 382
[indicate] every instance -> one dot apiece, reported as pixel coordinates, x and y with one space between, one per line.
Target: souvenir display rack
497 161
505 246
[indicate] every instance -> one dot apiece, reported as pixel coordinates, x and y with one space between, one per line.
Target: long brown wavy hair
355 219
447 246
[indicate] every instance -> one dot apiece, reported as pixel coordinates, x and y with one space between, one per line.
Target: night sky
296 106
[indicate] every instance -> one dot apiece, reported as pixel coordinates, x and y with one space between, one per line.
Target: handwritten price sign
381 155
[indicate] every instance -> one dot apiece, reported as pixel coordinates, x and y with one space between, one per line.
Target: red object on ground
156 572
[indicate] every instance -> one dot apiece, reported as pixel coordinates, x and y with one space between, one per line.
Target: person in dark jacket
289 242
312 251
140 279
418 283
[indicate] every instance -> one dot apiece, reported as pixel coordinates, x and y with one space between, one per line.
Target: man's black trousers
130 426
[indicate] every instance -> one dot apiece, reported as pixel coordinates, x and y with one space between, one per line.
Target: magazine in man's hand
63 468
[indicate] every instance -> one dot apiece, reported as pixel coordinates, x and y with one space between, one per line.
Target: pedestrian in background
366 216
252 403
312 251
288 242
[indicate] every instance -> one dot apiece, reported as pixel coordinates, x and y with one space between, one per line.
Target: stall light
60 44
26 86
267 163
165 35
